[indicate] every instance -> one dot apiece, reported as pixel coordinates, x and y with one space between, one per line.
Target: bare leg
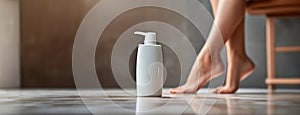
239 64
233 16
201 72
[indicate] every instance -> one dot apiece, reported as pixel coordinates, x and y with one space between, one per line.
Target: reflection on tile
36 102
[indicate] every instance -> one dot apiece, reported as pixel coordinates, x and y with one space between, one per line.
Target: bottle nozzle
140 33
150 37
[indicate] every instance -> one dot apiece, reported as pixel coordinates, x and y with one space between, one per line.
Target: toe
217 90
174 90
187 89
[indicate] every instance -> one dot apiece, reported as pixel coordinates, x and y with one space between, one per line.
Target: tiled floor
42 102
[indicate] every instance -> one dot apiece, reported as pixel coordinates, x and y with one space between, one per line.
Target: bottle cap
150 37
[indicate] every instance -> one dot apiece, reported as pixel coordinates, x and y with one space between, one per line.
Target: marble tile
41 102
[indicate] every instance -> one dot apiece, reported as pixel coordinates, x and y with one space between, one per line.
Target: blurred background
36 41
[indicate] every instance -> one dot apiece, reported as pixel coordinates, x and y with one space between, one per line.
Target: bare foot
238 70
202 72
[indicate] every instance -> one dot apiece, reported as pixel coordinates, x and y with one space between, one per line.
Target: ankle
237 54
209 56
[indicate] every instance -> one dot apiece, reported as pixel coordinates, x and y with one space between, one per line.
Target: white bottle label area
149 70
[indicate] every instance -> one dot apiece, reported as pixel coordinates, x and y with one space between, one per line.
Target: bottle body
149 70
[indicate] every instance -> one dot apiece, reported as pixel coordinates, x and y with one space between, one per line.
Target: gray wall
48 29
9 44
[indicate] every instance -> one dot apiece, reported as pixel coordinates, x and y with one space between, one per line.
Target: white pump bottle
149 70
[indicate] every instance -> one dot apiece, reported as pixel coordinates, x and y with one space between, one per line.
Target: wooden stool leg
270 26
